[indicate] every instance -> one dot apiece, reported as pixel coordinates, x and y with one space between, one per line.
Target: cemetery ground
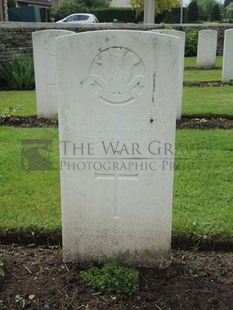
201 274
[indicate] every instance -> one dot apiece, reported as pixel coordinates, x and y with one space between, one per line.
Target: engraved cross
116 178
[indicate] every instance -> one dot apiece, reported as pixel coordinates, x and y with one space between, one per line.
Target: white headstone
181 36
206 49
45 70
117 97
227 70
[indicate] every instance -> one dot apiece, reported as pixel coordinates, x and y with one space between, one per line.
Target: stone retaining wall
16 37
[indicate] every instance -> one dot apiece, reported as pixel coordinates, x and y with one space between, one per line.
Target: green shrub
112 278
1 269
18 73
193 11
123 15
165 26
191 43
68 8
11 3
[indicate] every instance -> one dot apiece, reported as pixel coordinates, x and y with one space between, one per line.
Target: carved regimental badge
117 75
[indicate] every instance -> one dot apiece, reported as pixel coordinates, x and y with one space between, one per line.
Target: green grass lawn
190 62
208 101
203 196
20 103
196 101
28 198
202 75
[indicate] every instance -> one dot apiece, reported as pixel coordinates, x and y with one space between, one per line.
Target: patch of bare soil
184 123
38 279
205 123
27 122
206 84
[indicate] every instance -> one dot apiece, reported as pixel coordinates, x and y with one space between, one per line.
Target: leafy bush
193 11
112 278
11 3
229 11
124 15
65 9
216 13
1 269
18 73
191 43
95 3
165 26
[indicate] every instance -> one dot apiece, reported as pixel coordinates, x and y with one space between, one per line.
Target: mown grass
28 198
18 103
208 101
202 75
196 101
203 196
190 62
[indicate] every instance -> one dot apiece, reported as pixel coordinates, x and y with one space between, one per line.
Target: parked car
79 18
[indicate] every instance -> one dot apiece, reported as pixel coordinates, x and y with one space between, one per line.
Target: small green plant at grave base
8 111
18 72
2 273
55 117
165 26
202 229
193 274
18 103
112 278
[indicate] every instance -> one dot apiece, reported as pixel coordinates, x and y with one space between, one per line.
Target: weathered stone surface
117 97
227 72
206 50
45 70
181 36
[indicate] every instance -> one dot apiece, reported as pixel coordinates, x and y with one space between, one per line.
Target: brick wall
16 37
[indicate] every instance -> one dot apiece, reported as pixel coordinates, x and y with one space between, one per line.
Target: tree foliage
11 3
160 5
206 8
193 11
227 2
84 4
96 3
216 13
67 7
229 11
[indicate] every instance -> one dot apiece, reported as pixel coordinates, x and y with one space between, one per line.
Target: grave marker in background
227 70
206 49
181 36
117 99
45 70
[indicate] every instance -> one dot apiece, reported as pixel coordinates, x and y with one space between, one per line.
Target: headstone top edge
117 32
208 30
168 32
36 33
